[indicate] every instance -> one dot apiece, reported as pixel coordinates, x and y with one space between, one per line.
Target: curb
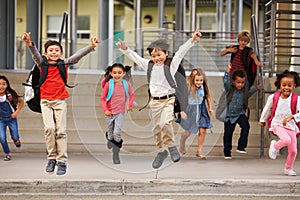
150 187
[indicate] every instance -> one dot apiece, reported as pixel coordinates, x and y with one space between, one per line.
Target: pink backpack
293 108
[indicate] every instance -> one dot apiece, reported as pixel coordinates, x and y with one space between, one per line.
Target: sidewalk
95 174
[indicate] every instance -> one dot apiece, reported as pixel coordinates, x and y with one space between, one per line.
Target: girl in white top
283 123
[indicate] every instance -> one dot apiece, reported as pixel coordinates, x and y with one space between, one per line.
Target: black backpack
248 63
35 79
180 85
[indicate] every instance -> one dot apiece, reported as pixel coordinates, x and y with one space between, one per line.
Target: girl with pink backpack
282 122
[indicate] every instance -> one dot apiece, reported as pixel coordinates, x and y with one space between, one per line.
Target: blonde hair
245 35
191 82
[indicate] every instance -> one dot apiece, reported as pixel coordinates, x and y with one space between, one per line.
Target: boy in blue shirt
237 97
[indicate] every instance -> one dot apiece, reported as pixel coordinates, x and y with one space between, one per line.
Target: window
206 22
55 22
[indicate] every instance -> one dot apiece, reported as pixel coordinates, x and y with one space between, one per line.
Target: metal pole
73 27
240 15
161 14
228 19
33 20
179 15
138 38
67 36
219 18
103 33
192 15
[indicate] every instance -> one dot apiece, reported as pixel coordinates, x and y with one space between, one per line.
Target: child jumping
163 95
113 99
10 106
53 95
198 119
282 121
237 96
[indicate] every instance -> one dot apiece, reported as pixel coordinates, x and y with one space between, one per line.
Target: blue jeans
12 124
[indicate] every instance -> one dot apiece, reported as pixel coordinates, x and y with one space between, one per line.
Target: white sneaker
272 151
290 172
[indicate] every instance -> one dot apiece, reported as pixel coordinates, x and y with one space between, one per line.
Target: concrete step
86 121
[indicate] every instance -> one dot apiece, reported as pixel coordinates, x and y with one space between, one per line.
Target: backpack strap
111 88
167 72
274 106
294 103
61 67
167 75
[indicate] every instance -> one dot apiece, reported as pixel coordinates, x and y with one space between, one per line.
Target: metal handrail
259 99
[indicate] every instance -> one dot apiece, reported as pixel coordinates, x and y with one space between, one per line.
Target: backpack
224 101
35 79
111 88
179 84
293 109
249 64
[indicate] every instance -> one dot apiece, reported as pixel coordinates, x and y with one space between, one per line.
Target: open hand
121 44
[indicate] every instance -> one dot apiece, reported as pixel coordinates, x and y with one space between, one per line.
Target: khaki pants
55 117
162 117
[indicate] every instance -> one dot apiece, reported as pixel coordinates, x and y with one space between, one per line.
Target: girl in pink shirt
117 92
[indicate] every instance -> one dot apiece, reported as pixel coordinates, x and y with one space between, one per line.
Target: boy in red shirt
53 82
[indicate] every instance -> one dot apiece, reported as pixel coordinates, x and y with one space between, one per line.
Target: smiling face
159 56
117 73
287 85
3 86
53 52
198 81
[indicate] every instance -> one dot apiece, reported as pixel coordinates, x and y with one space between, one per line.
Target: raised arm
36 56
140 61
227 78
83 52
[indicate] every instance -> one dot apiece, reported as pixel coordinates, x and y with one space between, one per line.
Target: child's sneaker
272 151
290 172
7 157
227 156
61 168
175 156
242 151
159 159
17 143
51 166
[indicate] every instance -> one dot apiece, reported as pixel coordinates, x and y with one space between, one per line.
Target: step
86 121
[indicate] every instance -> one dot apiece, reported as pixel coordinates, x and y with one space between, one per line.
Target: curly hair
191 82
287 74
238 73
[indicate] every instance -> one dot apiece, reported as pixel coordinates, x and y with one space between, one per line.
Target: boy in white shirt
163 95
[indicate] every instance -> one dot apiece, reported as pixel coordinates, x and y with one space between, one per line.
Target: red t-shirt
54 87
237 62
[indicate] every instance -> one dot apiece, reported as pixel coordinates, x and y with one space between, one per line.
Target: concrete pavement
95 174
